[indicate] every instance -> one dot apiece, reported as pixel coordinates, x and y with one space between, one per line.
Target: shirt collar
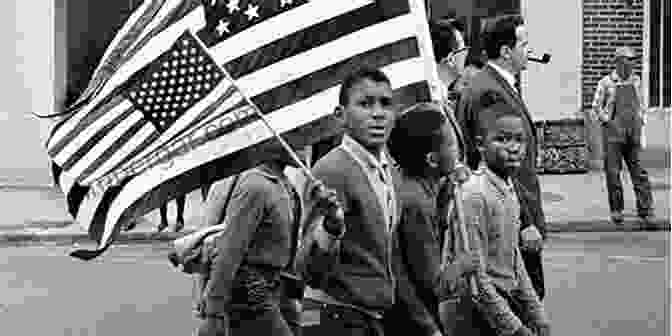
616 78
505 186
508 76
364 155
269 173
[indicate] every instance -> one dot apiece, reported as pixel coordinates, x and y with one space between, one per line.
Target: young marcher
619 106
506 301
348 265
506 45
426 146
251 286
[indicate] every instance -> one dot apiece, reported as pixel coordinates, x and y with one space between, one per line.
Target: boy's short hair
362 73
417 132
499 31
443 37
493 107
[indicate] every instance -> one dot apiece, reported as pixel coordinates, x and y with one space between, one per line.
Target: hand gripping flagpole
261 116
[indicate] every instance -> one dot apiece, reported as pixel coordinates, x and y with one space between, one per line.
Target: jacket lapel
514 95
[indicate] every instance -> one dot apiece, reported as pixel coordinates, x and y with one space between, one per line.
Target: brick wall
608 24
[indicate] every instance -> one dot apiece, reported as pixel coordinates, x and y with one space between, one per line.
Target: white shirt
508 76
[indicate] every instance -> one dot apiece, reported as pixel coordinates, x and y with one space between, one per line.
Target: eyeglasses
450 58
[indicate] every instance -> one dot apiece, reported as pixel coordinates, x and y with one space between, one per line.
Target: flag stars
233 6
252 12
222 27
284 3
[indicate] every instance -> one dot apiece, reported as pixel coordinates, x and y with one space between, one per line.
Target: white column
553 91
27 32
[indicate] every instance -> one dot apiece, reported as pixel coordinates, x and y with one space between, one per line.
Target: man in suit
506 45
348 268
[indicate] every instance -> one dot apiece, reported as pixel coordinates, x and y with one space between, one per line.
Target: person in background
425 166
349 271
179 222
450 52
506 45
619 106
506 301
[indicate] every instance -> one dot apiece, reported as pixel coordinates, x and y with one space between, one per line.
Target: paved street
614 284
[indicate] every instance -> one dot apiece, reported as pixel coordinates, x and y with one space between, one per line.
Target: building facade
57 44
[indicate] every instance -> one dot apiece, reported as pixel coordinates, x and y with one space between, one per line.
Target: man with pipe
506 46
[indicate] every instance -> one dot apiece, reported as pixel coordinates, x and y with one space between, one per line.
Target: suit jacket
467 114
360 272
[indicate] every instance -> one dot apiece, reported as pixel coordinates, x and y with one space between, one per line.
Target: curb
603 225
23 238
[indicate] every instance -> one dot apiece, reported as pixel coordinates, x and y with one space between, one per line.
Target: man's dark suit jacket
467 114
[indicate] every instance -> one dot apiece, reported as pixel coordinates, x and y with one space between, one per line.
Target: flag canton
174 82
226 18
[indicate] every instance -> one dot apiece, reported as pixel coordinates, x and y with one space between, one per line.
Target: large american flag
162 115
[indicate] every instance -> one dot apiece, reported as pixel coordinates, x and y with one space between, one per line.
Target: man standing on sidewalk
618 105
506 45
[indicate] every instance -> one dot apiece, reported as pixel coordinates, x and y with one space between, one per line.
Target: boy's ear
432 159
339 112
479 143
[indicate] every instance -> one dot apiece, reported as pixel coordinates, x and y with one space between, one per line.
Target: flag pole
261 116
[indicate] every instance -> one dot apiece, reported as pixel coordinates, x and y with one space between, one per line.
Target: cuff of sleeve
215 306
325 240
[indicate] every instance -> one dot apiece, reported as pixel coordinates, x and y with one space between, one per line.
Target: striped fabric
117 157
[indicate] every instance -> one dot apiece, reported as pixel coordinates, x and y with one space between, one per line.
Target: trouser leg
534 265
640 179
612 169
265 322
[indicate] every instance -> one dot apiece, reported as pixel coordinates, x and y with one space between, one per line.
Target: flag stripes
290 62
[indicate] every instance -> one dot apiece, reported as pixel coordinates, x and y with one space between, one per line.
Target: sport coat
467 114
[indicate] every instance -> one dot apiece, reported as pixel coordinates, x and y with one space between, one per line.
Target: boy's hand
468 263
213 326
326 204
531 238
543 330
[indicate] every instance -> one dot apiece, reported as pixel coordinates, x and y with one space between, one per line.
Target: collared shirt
508 76
606 89
378 172
492 216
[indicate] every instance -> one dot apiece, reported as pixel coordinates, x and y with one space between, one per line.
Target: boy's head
366 107
424 142
502 140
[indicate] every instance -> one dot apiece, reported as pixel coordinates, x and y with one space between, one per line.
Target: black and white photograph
336 167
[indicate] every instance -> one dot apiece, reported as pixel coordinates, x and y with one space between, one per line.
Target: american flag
167 118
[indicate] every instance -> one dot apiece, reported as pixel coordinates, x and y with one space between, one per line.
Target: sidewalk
572 203
35 212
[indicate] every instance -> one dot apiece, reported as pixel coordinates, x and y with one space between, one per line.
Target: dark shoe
130 226
617 217
179 225
161 227
646 222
